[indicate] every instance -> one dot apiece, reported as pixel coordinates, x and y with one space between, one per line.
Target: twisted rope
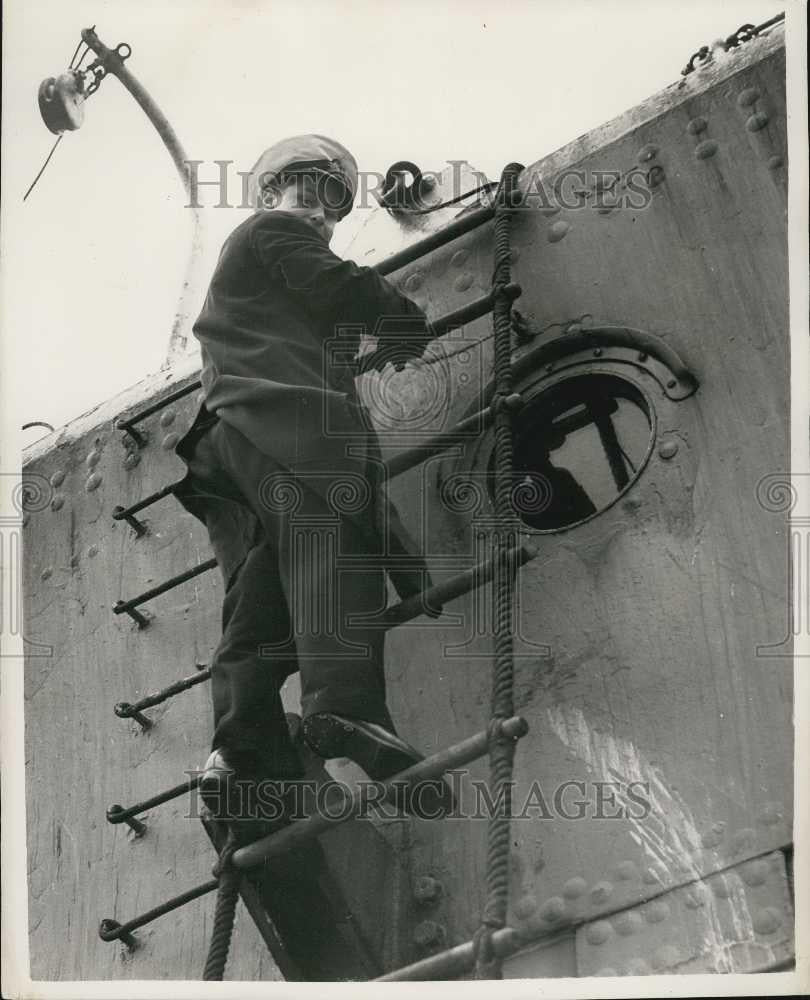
224 913
501 749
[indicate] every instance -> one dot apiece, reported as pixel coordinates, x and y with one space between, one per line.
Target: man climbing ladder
274 443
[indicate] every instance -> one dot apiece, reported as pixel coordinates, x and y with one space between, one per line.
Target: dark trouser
287 607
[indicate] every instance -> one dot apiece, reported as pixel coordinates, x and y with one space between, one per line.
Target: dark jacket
280 325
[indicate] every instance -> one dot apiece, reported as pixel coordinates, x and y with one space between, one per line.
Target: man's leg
342 681
248 715
251 741
340 663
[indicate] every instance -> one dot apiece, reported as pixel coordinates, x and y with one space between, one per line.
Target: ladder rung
451 232
111 930
430 768
438 327
465 430
116 814
127 607
470 579
127 710
455 961
128 513
147 411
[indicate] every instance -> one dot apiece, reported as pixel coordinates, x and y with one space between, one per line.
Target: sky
92 261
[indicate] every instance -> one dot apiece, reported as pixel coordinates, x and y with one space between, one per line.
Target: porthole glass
579 444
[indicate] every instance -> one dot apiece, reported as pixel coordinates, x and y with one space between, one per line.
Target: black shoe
241 787
382 755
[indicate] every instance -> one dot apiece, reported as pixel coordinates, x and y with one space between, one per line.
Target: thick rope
227 896
501 749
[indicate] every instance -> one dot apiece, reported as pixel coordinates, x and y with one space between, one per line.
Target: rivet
427 889
627 923
57 478
167 418
775 162
712 837
93 482
771 814
600 892
721 887
668 448
638 967
666 956
549 368
650 876
744 839
463 282
92 459
553 909
626 871
748 97
428 933
58 501
642 356
697 125
597 352
414 281
657 911
170 440
574 888
459 258
647 153
46 573
132 459
705 149
655 176
598 932
755 873
766 921
695 898
92 551
757 121
525 906
557 230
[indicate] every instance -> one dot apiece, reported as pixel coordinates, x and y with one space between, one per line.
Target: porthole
579 444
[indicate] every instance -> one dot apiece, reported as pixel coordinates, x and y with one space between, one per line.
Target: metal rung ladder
502 731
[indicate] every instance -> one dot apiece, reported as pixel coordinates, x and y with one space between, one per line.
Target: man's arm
337 290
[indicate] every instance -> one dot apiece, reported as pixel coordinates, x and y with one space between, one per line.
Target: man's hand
390 353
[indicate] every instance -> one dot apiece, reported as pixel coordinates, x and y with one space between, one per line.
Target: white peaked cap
303 148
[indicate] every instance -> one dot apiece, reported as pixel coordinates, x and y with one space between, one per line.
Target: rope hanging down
501 750
224 913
